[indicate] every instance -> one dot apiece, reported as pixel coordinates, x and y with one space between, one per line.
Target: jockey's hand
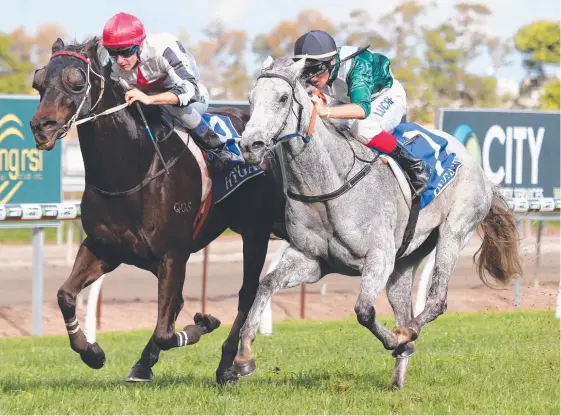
321 108
136 95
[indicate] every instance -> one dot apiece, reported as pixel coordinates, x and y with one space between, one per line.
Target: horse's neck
116 153
320 166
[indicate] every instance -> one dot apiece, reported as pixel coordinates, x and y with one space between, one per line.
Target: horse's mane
91 48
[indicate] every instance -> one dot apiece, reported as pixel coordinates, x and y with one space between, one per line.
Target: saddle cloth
431 147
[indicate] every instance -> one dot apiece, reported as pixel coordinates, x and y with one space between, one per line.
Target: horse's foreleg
171 276
142 370
293 269
88 267
255 243
378 266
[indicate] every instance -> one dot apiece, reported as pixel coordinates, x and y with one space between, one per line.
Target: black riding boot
414 168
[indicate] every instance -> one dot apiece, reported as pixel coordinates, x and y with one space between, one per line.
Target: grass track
493 363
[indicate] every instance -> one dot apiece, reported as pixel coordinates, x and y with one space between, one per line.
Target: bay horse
138 211
349 215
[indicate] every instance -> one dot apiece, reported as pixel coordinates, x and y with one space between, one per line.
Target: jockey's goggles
315 68
124 52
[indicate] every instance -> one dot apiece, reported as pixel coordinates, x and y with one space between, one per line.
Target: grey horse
360 231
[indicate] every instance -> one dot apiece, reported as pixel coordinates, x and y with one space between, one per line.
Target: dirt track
129 294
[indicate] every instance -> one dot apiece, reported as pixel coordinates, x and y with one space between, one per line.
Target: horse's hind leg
88 267
454 234
171 276
399 289
293 269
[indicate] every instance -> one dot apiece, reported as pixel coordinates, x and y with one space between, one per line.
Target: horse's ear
58 45
267 63
298 65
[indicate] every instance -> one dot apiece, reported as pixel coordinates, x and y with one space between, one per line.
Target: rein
348 185
74 122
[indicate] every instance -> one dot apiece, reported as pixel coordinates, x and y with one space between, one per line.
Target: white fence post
70 243
424 283
91 314
38 287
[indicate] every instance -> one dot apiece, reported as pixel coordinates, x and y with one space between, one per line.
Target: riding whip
127 87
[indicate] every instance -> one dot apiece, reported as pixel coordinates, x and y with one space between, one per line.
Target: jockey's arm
183 75
360 91
345 111
165 98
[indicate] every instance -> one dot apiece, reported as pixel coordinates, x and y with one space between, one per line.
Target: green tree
405 35
221 60
441 58
539 44
550 98
14 72
280 40
358 31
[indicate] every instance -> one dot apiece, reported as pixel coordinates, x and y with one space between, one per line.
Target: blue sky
254 16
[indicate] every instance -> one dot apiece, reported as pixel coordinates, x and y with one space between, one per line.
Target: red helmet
123 30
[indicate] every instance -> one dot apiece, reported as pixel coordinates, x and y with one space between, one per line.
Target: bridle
311 125
74 119
74 122
307 138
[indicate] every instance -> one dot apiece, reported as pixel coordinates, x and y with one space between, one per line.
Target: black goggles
314 69
124 52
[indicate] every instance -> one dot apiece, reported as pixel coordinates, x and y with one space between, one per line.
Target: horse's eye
74 78
283 98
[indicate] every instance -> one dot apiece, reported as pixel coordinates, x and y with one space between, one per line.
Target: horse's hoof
139 374
94 356
404 350
230 376
395 387
245 367
208 322
405 335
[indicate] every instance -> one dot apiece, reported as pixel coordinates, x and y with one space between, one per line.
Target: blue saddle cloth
432 149
237 172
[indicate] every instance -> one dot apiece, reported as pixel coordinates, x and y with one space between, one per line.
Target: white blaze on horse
346 213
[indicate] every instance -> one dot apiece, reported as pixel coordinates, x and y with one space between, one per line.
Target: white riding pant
191 114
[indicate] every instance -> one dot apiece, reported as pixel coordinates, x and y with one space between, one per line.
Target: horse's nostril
257 145
42 123
49 123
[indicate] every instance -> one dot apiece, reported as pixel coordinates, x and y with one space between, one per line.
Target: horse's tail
498 255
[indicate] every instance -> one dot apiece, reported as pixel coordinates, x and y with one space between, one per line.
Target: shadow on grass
334 381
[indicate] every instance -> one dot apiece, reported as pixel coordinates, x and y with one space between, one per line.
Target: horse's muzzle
253 152
46 131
